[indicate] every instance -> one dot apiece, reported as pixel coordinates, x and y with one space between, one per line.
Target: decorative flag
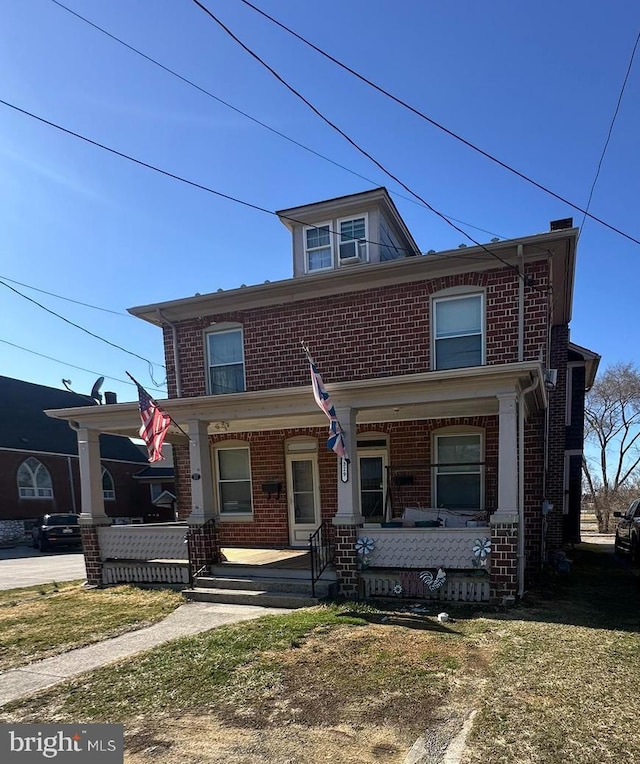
155 424
335 441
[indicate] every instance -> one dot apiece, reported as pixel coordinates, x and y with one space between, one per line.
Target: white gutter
521 304
521 529
176 357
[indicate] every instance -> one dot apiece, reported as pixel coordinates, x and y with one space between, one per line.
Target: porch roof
427 395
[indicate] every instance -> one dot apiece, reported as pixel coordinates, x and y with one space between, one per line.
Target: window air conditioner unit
353 251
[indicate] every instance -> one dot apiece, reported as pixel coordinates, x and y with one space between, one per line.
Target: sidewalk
188 619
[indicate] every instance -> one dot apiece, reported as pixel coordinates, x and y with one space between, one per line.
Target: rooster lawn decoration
433 582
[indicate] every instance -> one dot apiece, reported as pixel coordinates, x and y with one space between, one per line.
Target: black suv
56 530
628 531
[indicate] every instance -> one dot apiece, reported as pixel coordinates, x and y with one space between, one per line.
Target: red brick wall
132 498
533 493
409 443
377 332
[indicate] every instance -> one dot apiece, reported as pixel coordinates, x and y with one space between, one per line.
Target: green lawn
40 621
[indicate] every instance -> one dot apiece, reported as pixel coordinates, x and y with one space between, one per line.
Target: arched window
34 480
108 488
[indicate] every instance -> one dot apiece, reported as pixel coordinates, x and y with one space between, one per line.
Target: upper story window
318 252
225 358
353 239
34 480
458 331
108 488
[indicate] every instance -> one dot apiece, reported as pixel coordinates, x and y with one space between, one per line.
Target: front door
372 485
302 494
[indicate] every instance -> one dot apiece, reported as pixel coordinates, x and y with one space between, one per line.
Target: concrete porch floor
291 559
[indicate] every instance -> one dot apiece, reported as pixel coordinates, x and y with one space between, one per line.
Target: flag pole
155 403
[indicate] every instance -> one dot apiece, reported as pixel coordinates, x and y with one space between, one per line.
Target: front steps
233 584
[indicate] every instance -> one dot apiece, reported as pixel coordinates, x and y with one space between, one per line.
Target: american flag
155 424
335 442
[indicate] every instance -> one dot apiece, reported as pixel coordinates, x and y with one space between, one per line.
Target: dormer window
318 252
353 240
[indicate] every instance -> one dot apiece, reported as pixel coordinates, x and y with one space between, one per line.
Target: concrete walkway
192 618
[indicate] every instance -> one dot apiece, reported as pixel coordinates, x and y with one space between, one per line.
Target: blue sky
534 84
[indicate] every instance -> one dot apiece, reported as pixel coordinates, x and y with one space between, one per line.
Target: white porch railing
161 541
427 548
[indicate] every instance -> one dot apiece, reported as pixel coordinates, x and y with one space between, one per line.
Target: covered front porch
293 489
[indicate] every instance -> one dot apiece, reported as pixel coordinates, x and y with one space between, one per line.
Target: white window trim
569 399
338 235
459 293
231 446
23 490
306 249
108 494
457 430
224 328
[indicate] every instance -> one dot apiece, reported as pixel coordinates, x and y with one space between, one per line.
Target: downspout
521 547
176 357
521 304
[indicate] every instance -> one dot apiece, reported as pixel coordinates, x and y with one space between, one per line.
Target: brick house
39 470
454 381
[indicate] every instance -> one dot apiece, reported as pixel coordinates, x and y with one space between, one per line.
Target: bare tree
612 428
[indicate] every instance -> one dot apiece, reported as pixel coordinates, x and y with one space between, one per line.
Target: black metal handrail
193 574
321 551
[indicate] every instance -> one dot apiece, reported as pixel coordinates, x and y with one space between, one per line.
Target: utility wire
430 120
213 191
208 93
350 140
606 143
73 366
77 326
67 299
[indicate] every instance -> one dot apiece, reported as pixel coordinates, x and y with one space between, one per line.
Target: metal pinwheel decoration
481 550
365 545
433 582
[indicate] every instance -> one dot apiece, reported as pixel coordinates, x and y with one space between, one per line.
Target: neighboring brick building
448 372
39 471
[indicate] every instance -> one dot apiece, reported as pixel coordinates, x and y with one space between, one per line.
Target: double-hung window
234 480
318 252
353 239
457 333
226 362
458 471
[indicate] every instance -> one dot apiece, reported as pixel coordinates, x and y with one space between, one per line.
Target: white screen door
302 493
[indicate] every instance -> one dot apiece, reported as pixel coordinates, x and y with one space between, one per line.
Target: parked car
628 531
56 530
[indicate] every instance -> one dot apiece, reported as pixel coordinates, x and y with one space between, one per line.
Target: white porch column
91 495
507 458
348 512
202 506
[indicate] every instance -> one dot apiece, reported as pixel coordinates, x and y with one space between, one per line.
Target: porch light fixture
273 487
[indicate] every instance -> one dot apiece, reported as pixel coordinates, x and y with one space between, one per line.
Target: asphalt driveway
23 566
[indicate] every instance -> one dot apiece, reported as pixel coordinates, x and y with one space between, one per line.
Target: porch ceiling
428 395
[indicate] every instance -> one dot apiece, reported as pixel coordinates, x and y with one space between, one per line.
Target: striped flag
155 424
335 441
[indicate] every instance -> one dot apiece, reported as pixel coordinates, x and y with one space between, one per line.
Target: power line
73 366
430 120
67 299
213 191
82 329
208 93
613 121
350 140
